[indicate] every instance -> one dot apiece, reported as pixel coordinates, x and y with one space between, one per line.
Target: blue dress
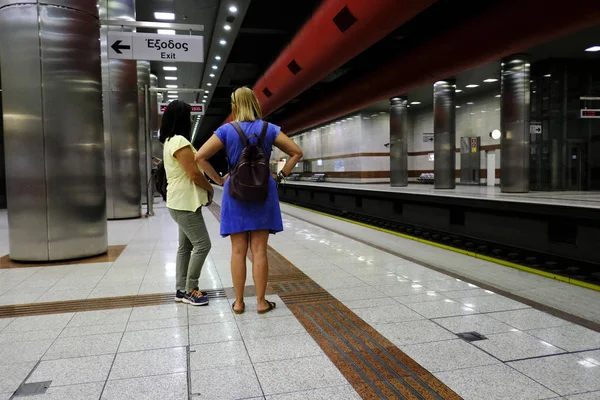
240 216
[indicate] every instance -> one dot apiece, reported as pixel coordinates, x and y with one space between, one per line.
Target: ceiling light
205 96
170 78
395 98
204 101
209 84
415 102
166 68
206 91
457 106
498 95
458 90
490 80
164 16
214 67
171 92
217 58
470 103
593 48
212 75
548 76
495 134
472 86
166 31
172 86
227 27
233 9
173 96
223 42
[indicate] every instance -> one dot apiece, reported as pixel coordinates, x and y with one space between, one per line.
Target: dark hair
176 120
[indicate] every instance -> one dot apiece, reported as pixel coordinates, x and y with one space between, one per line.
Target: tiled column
444 129
398 142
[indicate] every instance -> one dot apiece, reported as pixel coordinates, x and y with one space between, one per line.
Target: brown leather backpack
249 180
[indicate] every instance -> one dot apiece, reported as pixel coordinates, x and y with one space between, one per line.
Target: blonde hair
244 105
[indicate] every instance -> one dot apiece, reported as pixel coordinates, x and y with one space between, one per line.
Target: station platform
360 314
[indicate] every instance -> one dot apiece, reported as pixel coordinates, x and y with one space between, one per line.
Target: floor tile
422 297
100 317
84 346
381 280
340 283
564 374
149 363
584 396
42 322
214 355
515 346
260 328
13 374
480 323
413 332
473 292
154 339
29 336
448 355
439 309
20 352
93 330
345 392
214 333
282 347
116 291
486 304
225 383
569 337
156 324
164 387
366 292
4 322
73 371
493 382
85 391
403 289
64 295
368 303
215 307
387 314
446 285
167 311
528 319
298 374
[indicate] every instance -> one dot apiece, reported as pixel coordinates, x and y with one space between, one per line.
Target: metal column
54 145
143 78
121 134
398 142
514 122
444 129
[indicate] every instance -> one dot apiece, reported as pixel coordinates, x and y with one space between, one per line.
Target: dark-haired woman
187 191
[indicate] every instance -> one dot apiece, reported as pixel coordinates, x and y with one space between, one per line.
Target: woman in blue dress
248 223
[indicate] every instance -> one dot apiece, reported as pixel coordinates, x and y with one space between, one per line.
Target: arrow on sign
117 47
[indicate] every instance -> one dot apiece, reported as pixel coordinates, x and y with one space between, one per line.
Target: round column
53 134
514 122
444 132
143 79
398 142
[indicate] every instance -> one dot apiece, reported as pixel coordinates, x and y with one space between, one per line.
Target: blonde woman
248 223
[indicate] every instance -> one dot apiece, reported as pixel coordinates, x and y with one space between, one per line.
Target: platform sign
474 145
589 113
535 128
197 108
155 47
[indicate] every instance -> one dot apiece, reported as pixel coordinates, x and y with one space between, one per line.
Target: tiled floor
174 351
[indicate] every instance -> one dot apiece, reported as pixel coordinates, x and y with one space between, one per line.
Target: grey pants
194 245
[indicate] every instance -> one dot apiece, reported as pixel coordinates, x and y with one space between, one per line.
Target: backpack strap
263 133
240 132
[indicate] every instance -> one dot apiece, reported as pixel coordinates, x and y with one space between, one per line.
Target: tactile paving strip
374 366
111 255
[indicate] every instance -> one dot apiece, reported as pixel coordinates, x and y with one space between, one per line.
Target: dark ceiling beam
505 28
263 31
338 31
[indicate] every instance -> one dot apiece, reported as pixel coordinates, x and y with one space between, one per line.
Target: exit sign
588 113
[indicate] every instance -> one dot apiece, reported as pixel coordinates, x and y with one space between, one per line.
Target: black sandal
271 307
238 311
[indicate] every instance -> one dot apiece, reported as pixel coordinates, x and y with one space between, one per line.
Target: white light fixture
206 91
415 102
170 78
173 96
458 90
204 101
209 84
496 134
205 96
470 103
227 27
164 16
233 9
498 95
593 48
165 31
172 92
172 86
457 106
472 86
395 98
212 75
168 68
490 80
548 76
223 42
217 58
214 67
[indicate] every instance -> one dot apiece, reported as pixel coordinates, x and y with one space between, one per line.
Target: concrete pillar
54 145
444 130
514 122
121 134
399 142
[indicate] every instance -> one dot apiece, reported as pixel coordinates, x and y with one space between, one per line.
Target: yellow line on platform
461 251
